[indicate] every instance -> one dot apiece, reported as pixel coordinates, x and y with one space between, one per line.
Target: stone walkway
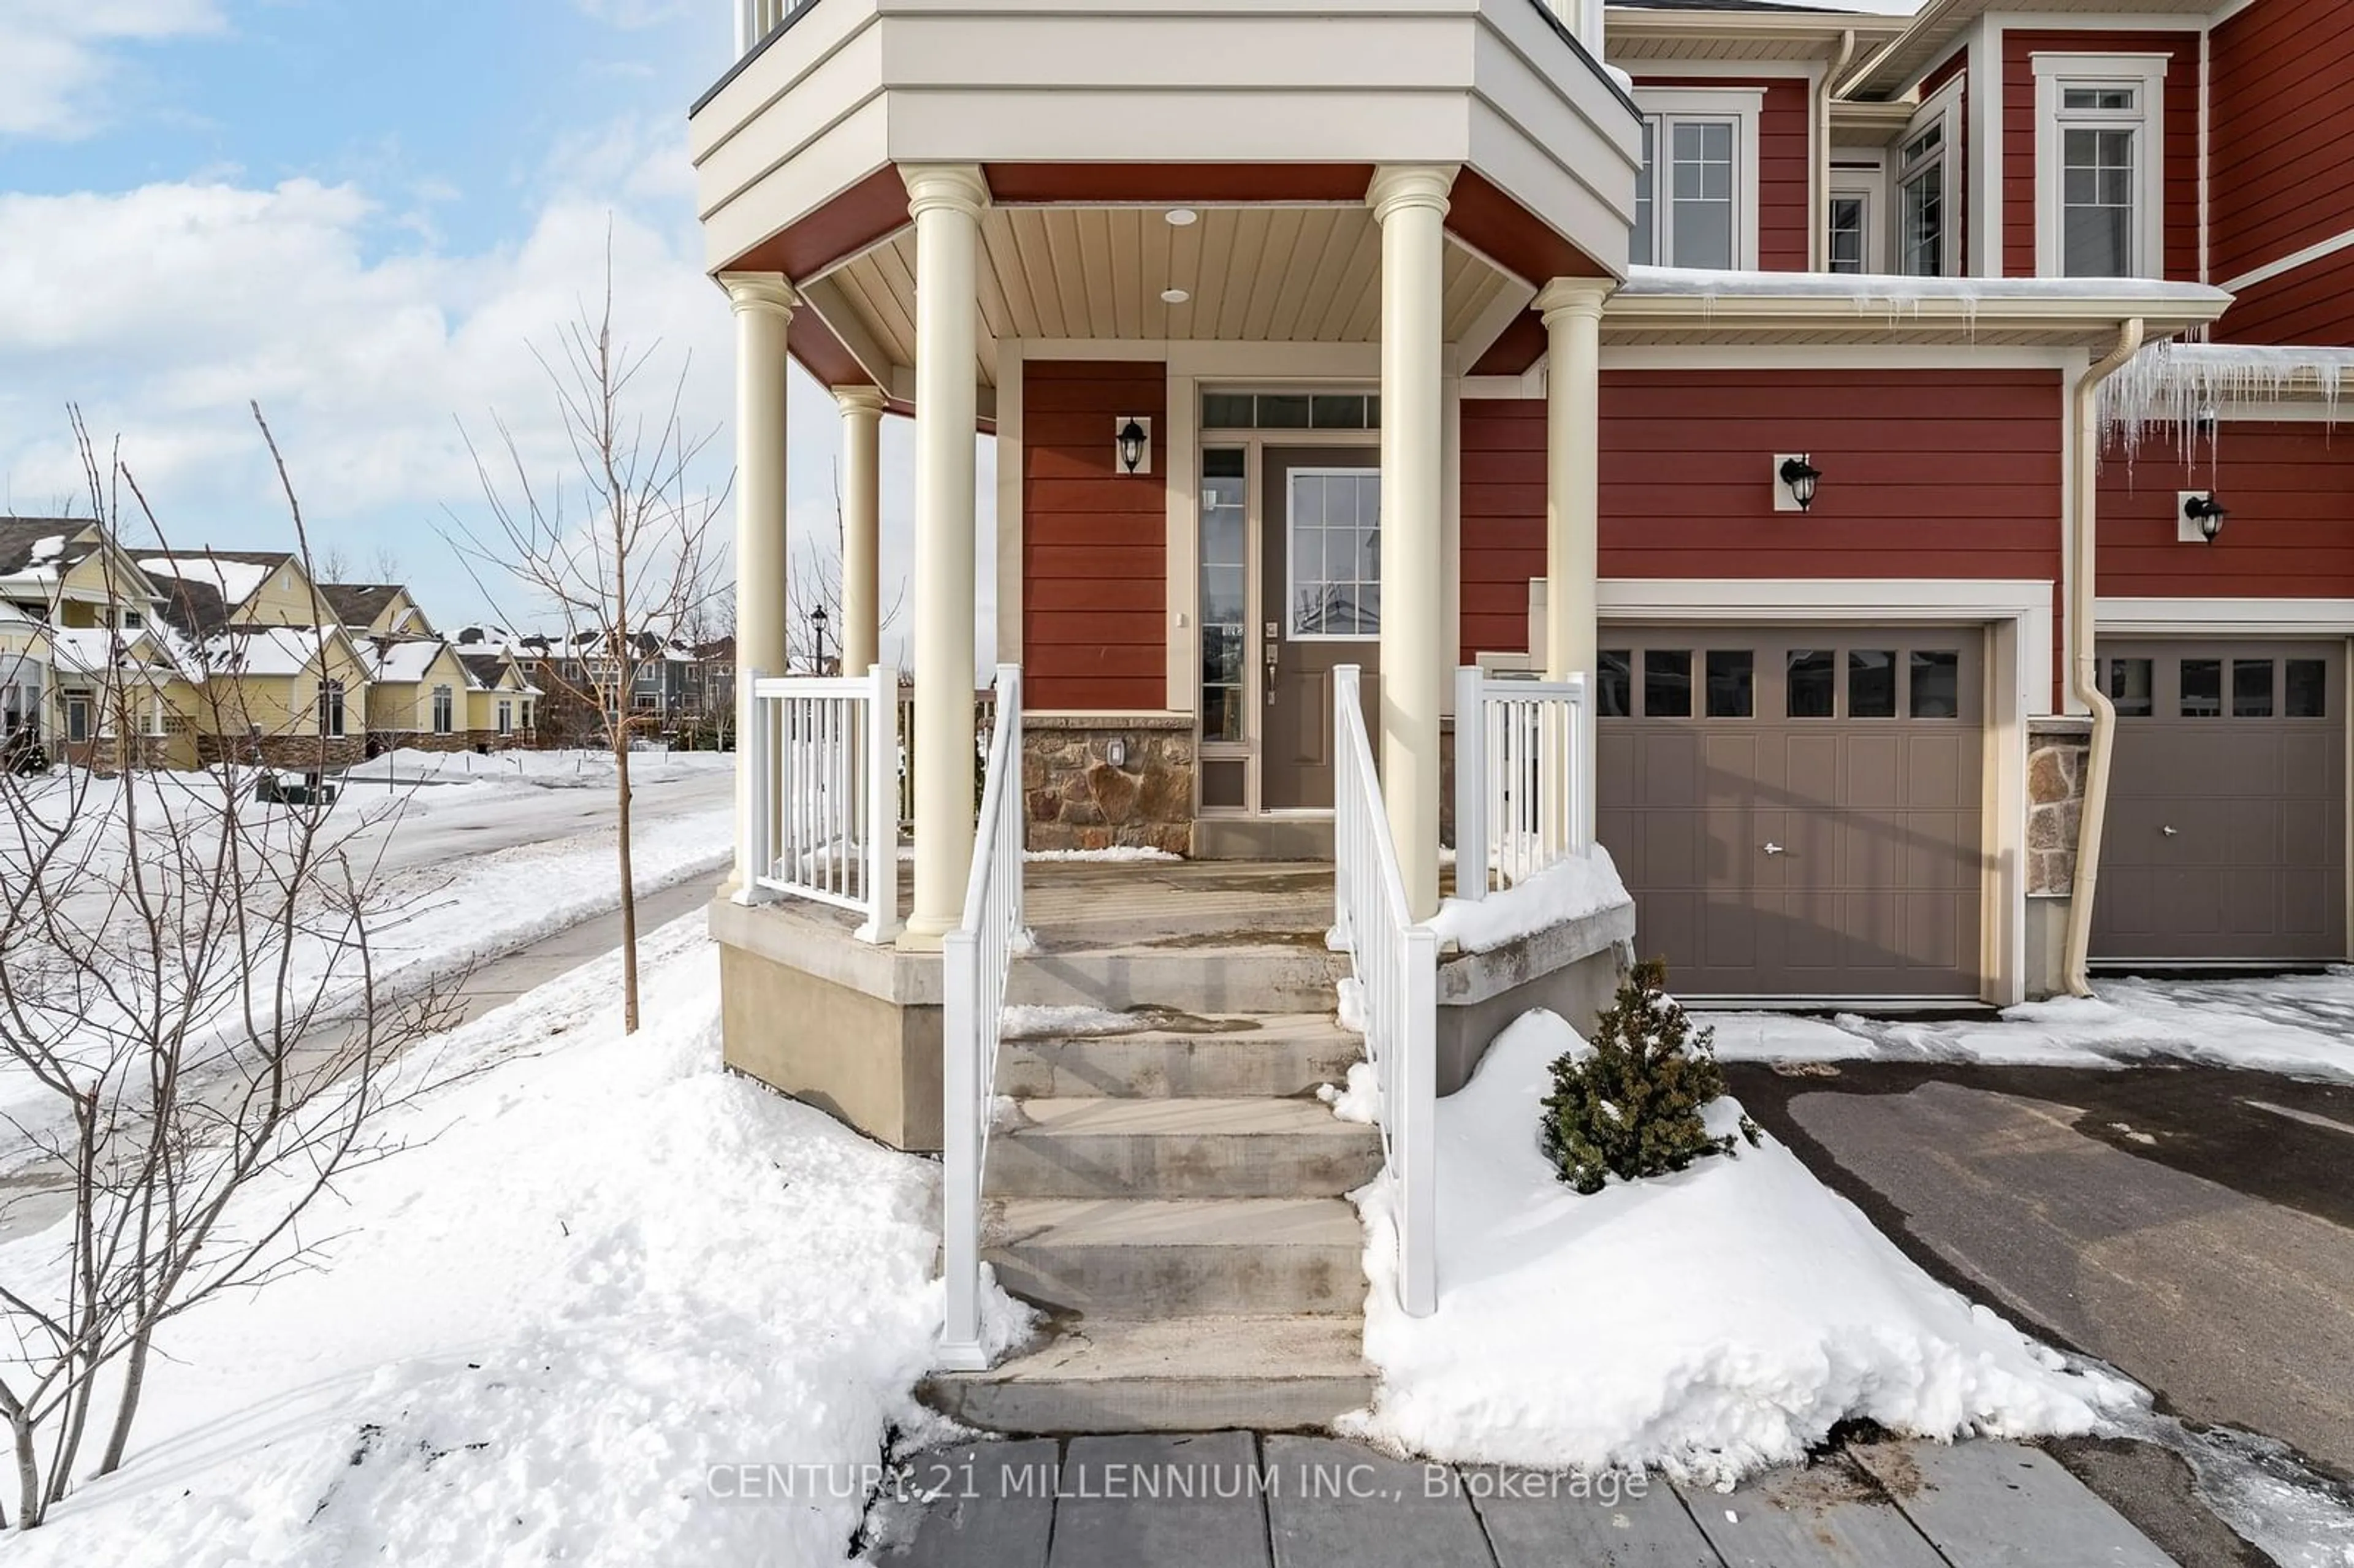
1236 1499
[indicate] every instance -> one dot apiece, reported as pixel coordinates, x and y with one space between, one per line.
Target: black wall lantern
1799 478
1133 444
2206 513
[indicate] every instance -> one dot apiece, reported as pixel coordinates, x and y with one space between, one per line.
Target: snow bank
1117 853
1709 1323
1570 889
605 1274
2275 1025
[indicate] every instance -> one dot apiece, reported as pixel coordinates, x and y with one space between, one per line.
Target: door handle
1772 848
2168 831
1270 645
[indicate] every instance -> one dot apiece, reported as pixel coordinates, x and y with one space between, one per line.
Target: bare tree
625 573
387 564
335 564
190 992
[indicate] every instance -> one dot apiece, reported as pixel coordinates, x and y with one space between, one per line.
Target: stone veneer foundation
1077 797
2057 749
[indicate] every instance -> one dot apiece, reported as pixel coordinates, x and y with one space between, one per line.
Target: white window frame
1742 108
506 716
154 713
1291 632
1871 187
445 710
331 705
1944 109
2145 74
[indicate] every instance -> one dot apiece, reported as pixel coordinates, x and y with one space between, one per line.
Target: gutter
1822 239
2084 669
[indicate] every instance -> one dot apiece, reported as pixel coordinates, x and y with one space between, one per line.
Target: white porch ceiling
1252 274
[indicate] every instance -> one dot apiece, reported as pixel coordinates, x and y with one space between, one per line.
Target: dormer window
2099 147
1696 196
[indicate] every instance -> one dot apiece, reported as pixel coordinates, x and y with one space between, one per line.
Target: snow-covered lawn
604 1272
1708 1323
2295 1024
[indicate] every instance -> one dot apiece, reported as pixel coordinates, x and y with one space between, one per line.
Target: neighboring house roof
490 672
202 589
357 604
92 651
269 650
403 663
42 547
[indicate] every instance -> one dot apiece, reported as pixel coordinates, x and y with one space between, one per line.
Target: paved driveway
2193 1226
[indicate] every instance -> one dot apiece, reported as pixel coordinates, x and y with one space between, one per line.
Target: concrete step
1189 1148
1181 1053
1171 1374
1139 1259
1206 976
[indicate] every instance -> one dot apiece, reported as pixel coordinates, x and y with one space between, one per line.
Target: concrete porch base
853 1029
1571 968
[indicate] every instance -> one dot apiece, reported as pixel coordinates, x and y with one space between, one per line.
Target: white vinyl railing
974 960
1518 778
825 788
1396 972
755 19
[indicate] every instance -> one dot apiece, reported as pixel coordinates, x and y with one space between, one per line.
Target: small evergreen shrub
1631 1107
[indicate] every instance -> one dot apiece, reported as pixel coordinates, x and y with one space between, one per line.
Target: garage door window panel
1732 683
2252 688
2202 688
1666 683
1614 692
1811 683
2127 683
1936 677
1871 683
2306 689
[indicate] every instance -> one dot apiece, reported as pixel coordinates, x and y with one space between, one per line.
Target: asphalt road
435 824
2193 1227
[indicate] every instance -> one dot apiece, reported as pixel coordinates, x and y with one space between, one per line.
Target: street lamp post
817 627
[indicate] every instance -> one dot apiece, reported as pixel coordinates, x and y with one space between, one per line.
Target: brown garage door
1797 813
2226 834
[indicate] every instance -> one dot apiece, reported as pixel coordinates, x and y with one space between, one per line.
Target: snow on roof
92 650
236 579
2182 386
267 650
403 662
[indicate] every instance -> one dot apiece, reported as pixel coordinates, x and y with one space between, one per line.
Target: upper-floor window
1850 232
1696 196
2099 146
1921 203
444 710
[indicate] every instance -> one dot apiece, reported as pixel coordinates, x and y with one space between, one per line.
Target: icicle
2186 385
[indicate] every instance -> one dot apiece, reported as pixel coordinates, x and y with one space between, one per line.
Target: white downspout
1819 249
2084 669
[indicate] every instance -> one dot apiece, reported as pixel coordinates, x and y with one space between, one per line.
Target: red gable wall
2019 182
2281 165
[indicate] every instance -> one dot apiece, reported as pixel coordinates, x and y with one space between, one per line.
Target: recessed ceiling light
1174 296
1179 217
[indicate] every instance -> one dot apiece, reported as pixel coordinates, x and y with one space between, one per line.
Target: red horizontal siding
1094 562
2281 166
2311 304
1785 139
1927 473
2019 183
2290 488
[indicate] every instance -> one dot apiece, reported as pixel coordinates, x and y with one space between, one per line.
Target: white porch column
1418 645
763 303
945 201
1572 319
861 527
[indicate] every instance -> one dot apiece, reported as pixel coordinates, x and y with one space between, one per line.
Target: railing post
1344 800
752 814
882 781
1017 812
1416 1139
1471 786
962 1109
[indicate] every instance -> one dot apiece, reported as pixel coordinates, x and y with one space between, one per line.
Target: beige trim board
2225 616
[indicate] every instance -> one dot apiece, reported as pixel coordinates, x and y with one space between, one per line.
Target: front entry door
1319 608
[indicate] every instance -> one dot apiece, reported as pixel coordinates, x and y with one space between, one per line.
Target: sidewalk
1237 1499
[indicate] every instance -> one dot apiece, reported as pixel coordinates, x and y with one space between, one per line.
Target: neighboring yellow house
377 610
120 698
419 697
502 703
66 572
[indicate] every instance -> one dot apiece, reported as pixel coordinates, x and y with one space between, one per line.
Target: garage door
1797 813
2226 834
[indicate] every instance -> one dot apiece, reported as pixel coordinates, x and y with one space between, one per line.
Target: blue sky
365 214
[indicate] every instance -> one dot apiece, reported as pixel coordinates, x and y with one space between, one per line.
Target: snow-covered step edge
1138 1258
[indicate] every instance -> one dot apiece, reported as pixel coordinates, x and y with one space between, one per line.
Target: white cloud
162 310
59 59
